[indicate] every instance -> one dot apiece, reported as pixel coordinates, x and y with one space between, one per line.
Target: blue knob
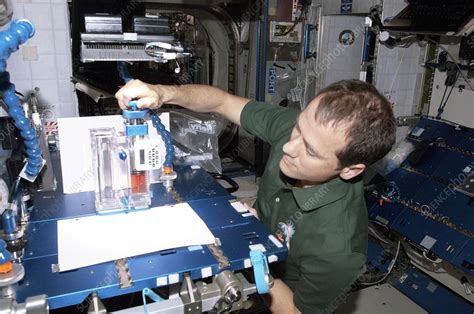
133 105
122 155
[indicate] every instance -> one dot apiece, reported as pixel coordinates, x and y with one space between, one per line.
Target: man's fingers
252 210
122 100
134 89
148 102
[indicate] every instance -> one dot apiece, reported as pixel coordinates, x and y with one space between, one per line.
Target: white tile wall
398 70
50 68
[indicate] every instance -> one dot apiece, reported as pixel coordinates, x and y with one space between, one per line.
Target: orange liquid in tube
139 182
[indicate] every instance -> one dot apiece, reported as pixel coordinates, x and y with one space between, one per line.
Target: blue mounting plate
458 208
210 201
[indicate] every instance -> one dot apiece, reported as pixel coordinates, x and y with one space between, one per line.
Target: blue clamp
261 271
136 130
134 112
5 255
149 293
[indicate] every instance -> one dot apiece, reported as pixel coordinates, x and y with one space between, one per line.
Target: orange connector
167 170
6 267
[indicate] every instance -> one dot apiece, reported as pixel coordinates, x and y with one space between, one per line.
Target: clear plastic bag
196 139
394 158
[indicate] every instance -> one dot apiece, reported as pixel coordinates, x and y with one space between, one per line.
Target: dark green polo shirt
325 225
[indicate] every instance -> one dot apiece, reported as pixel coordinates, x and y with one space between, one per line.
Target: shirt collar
317 196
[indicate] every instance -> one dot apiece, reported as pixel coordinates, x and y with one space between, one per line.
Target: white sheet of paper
76 150
97 239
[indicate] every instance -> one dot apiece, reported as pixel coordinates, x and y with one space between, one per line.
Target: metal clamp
231 290
190 296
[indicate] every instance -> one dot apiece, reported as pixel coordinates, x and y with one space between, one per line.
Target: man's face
310 154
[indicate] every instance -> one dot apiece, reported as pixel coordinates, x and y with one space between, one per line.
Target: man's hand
199 98
148 95
281 299
252 210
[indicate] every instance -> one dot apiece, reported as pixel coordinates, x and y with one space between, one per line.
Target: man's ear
350 172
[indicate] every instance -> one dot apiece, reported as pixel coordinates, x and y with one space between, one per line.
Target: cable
396 73
375 234
122 70
441 105
441 102
389 269
454 60
298 20
378 223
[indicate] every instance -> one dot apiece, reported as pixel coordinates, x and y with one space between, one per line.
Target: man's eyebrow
311 148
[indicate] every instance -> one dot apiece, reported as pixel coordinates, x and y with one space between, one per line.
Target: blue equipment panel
209 200
430 295
427 179
420 288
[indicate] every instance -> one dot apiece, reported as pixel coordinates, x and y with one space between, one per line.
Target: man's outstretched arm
199 98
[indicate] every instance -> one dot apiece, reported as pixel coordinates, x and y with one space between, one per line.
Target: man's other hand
252 210
147 95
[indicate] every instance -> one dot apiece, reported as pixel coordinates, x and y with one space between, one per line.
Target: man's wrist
167 92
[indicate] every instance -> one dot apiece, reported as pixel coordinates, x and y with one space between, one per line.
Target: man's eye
311 153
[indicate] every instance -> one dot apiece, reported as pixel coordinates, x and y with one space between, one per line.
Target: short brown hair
371 128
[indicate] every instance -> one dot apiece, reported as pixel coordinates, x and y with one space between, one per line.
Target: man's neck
307 184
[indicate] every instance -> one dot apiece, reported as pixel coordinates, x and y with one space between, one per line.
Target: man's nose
291 147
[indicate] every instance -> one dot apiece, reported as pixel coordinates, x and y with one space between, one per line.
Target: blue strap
260 270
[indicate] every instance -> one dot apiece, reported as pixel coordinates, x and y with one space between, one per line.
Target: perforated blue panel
205 196
447 166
